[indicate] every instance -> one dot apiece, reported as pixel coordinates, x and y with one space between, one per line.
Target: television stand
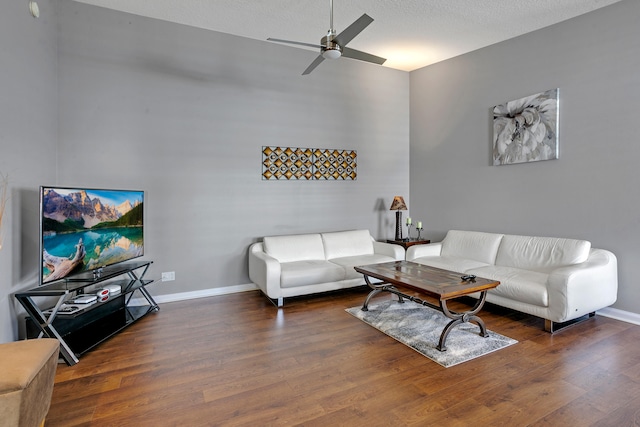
81 331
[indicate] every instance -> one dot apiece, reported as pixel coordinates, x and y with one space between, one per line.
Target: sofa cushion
340 244
298 247
309 272
451 263
352 261
516 284
541 253
473 245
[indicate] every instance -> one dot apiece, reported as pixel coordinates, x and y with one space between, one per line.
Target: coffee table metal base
457 318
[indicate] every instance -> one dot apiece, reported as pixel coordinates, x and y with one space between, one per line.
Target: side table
406 243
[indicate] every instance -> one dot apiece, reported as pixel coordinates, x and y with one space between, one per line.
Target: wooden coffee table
437 283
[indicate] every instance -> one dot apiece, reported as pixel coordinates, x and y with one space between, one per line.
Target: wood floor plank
237 360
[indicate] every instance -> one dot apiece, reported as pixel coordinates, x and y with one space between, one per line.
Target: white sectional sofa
557 279
302 264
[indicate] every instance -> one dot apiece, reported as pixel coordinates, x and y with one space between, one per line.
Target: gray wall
183 113
590 192
28 137
98 98
109 99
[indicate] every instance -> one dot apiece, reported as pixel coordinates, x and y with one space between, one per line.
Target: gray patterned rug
419 327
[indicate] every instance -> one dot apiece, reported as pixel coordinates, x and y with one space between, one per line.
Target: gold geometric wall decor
287 163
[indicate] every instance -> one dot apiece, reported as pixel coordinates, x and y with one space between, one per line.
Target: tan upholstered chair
27 373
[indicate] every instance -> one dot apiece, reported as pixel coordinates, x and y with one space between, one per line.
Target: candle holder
419 230
409 232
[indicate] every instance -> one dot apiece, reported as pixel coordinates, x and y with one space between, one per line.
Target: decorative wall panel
287 163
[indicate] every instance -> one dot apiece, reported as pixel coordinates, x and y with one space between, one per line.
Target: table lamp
398 205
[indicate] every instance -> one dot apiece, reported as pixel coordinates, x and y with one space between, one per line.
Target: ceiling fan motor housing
330 49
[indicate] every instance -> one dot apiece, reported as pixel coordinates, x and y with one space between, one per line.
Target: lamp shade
398 204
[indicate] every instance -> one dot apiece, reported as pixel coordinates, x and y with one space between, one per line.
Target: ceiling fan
334 46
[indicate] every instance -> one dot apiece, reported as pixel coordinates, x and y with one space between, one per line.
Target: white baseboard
183 296
625 316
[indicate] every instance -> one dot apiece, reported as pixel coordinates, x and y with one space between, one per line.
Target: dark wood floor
238 360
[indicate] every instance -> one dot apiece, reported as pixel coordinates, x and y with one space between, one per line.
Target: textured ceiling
409 33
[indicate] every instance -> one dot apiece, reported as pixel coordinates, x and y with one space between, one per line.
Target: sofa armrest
264 271
418 251
583 288
389 249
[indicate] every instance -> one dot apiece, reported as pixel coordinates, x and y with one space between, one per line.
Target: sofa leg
277 302
553 327
548 326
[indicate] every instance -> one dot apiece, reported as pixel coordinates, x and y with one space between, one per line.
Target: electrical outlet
168 276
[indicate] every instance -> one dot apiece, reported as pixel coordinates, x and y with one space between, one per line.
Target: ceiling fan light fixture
332 53
331 49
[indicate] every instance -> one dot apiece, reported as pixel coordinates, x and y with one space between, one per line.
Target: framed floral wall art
526 129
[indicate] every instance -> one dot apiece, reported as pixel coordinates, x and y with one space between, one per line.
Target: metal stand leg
459 318
376 289
365 306
46 326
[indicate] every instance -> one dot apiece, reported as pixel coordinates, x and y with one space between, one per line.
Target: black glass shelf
83 330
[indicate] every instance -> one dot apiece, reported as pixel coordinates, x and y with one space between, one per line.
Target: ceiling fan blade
353 30
314 64
362 56
316 46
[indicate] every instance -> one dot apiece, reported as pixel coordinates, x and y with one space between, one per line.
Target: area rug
419 327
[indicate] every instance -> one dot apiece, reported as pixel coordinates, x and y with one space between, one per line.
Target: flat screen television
86 229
